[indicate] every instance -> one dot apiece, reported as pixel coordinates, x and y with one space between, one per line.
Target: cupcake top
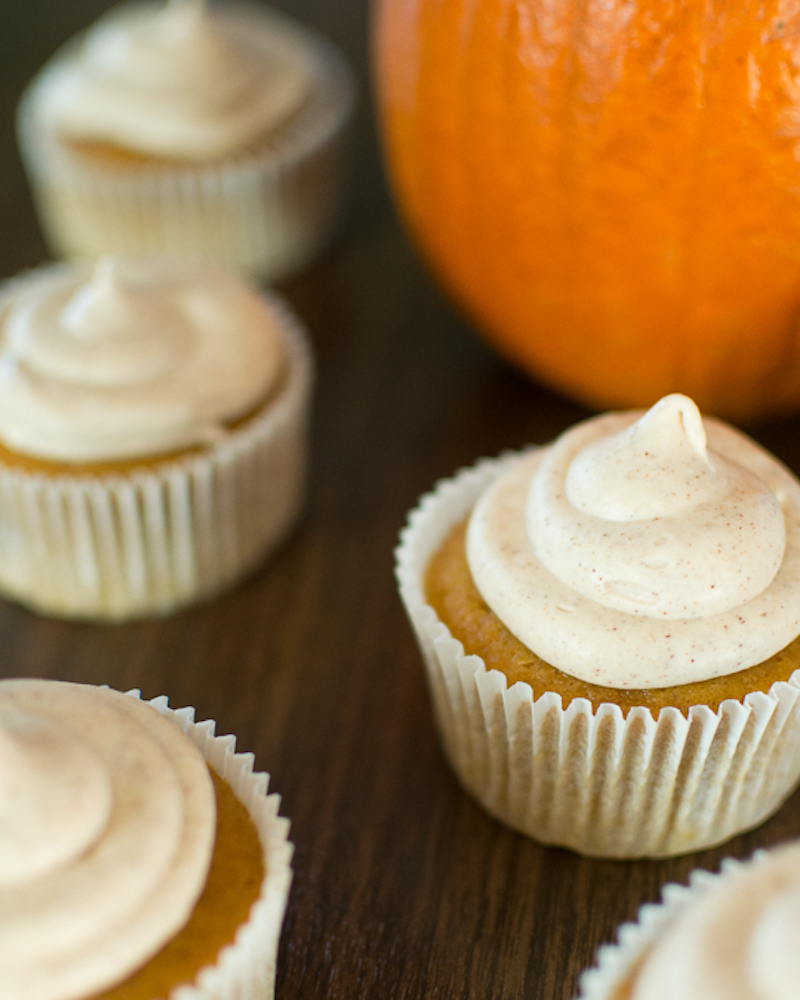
107 822
643 550
737 940
180 80
125 359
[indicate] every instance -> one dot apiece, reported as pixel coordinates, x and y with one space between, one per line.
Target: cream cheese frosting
180 80
737 941
107 821
125 359
643 550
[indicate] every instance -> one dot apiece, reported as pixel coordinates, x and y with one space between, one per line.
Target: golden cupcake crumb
233 885
451 592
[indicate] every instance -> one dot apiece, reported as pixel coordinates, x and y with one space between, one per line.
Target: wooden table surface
404 887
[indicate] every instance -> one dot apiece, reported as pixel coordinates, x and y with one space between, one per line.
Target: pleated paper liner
598 782
115 546
616 964
265 213
245 970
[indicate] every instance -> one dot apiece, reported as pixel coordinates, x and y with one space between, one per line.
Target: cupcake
152 434
213 132
731 936
140 856
610 629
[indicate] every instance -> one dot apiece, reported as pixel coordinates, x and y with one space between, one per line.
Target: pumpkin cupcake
140 855
152 434
214 132
610 628
729 936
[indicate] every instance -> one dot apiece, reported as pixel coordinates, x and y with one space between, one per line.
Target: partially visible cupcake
610 626
140 857
153 425
210 131
730 936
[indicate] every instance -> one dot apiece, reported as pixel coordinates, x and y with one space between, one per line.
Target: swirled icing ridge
635 553
181 81
108 819
130 359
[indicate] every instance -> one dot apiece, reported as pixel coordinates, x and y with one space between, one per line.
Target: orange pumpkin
611 188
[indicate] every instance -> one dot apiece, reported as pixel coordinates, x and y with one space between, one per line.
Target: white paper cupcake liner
245 970
113 546
597 782
615 963
265 213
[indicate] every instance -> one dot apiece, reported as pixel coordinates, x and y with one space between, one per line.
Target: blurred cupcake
140 855
731 936
610 628
152 434
212 132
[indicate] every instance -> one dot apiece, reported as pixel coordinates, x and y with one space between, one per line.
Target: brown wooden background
403 888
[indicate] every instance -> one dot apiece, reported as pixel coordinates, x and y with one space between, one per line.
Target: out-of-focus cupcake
214 132
730 936
140 856
610 628
153 425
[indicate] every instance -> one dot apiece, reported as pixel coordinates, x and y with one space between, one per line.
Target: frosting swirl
130 359
635 553
737 941
180 80
107 820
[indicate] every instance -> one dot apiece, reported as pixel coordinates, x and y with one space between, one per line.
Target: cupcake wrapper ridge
112 546
598 782
616 962
265 213
244 970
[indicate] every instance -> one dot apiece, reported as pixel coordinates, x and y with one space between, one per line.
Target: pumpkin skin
611 188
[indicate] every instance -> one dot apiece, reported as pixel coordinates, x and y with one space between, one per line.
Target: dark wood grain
404 888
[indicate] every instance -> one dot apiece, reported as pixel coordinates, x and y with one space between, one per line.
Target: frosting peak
658 465
181 80
178 41
130 359
109 306
643 550
646 521
108 333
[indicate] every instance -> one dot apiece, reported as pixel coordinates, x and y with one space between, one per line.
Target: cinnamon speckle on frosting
586 509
